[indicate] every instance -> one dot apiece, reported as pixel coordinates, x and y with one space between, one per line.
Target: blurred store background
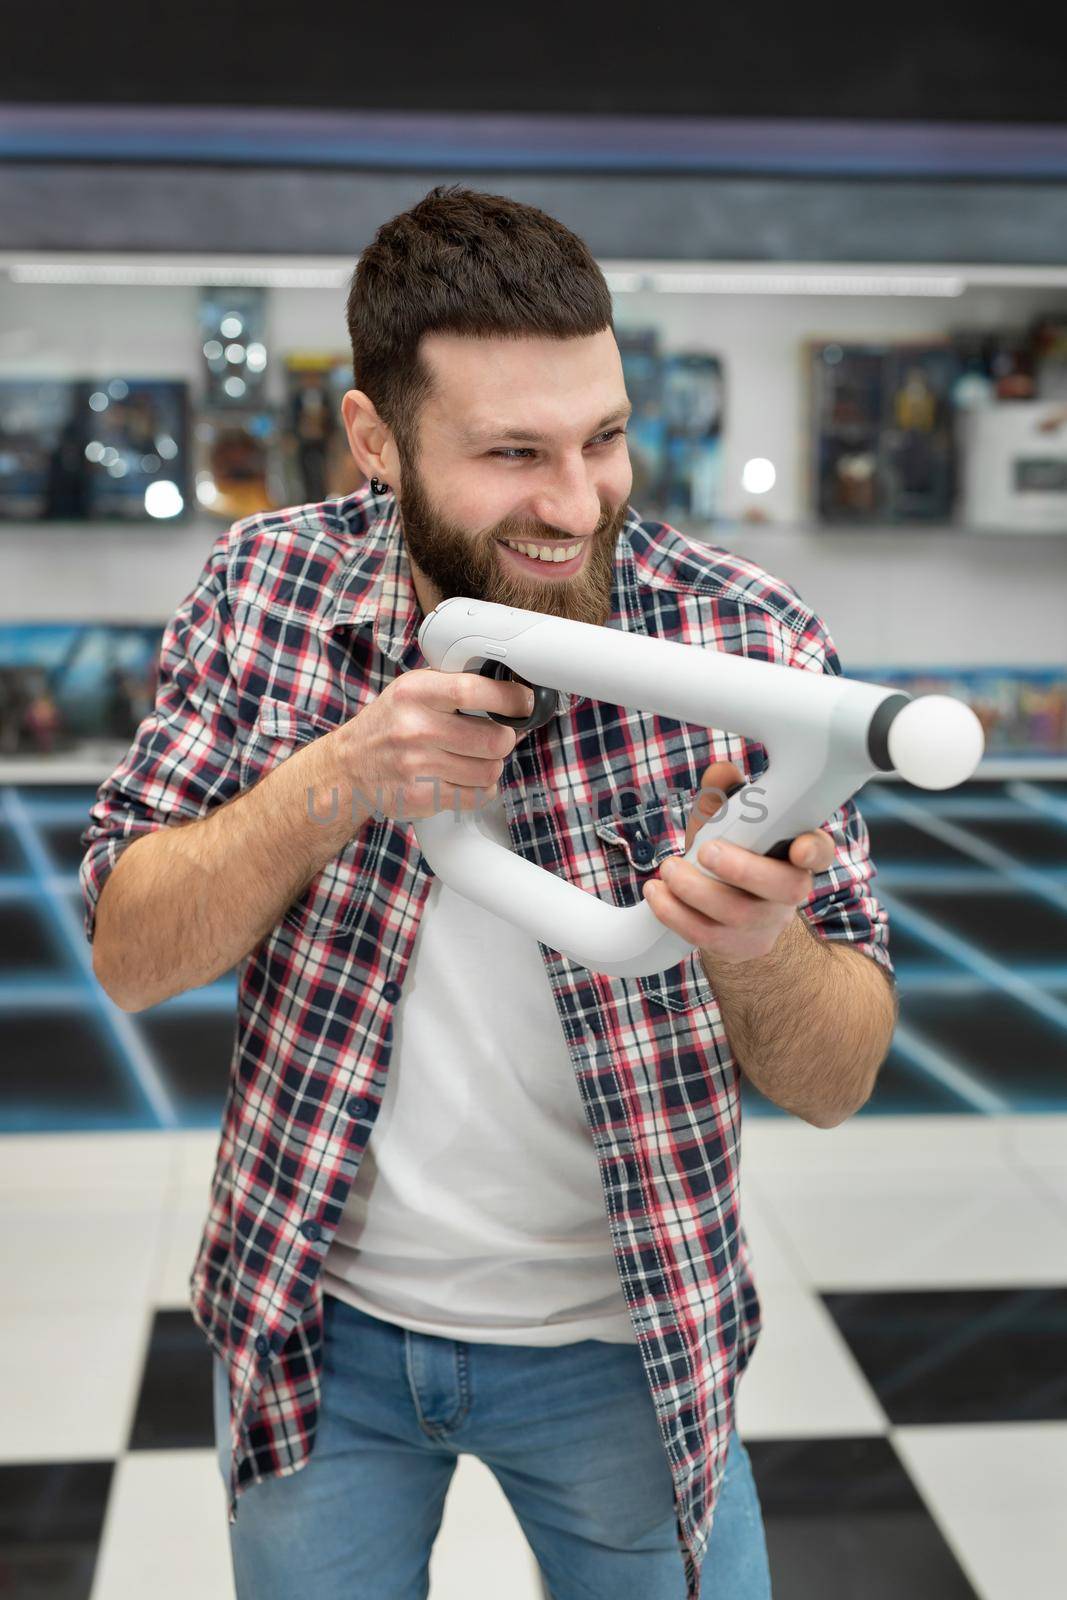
840 281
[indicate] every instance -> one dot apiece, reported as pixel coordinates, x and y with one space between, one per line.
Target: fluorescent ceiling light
170 275
896 279
787 283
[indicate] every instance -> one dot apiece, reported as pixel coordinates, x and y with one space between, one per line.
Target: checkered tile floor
906 1407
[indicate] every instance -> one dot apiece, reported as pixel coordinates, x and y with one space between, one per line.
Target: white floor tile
70 1251
194 1152
919 1229
87 1163
802 1381
773 1145
481 1552
1038 1146
69 1382
165 1533
180 1232
999 1494
1038 1140
773 1259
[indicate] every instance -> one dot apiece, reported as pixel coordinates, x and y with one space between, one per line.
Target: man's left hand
742 918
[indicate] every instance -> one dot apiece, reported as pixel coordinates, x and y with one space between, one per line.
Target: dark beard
459 563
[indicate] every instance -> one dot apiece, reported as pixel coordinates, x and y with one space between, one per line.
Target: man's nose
570 505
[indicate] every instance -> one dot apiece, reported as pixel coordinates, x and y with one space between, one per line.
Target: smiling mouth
546 554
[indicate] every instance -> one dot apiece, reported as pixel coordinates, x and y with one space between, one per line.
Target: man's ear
369 438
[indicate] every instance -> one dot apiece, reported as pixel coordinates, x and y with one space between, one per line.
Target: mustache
530 532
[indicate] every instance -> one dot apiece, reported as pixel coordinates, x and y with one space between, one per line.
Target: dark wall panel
57 207
948 61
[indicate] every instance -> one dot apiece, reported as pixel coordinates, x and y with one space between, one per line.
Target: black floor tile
194 1051
1032 840
61 1069
896 843
11 856
1001 1043
1005 923
845 1522
901 1088
905 946
28 939
62 840
51 1518
174 1407
960 1355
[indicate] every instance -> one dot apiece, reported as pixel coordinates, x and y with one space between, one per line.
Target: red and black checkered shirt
298 620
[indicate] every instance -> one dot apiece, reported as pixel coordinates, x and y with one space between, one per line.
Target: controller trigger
545 705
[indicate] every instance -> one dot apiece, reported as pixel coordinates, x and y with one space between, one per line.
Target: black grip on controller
545 704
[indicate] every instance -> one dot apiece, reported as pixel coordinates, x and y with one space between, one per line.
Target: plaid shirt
299 619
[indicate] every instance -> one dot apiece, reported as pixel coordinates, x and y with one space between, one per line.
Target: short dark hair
469 263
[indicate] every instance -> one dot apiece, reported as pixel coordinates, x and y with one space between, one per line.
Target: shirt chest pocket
331 904
633 842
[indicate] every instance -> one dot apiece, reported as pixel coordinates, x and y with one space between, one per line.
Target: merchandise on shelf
674 435
1015 466
233 324
74 686
93 449
1023 710
317 460
884 449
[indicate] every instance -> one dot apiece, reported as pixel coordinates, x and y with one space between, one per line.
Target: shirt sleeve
842 905
184 759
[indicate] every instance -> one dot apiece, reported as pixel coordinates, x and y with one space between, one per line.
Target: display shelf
92 767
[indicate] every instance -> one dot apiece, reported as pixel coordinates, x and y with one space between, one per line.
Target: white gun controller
825 736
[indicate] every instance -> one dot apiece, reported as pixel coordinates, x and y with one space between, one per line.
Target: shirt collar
376 589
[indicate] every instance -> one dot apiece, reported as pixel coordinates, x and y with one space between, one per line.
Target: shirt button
356 1107
642 850
310 1230
262 1344
392 991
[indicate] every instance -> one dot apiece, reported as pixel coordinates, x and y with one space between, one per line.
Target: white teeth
543 552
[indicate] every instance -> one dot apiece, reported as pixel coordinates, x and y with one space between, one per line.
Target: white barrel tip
936 742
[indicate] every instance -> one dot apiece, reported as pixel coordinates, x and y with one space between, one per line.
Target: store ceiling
943 64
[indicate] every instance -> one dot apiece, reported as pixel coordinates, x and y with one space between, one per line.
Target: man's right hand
408 753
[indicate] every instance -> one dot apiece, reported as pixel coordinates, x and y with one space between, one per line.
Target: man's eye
521 450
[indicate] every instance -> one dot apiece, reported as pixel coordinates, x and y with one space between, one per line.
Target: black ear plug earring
378 487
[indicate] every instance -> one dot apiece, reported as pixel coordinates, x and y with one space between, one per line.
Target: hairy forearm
809 1024
186 902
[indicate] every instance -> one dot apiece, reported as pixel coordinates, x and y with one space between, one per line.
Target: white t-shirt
478 1212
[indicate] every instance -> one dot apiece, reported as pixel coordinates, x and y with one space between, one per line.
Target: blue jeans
569 1431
